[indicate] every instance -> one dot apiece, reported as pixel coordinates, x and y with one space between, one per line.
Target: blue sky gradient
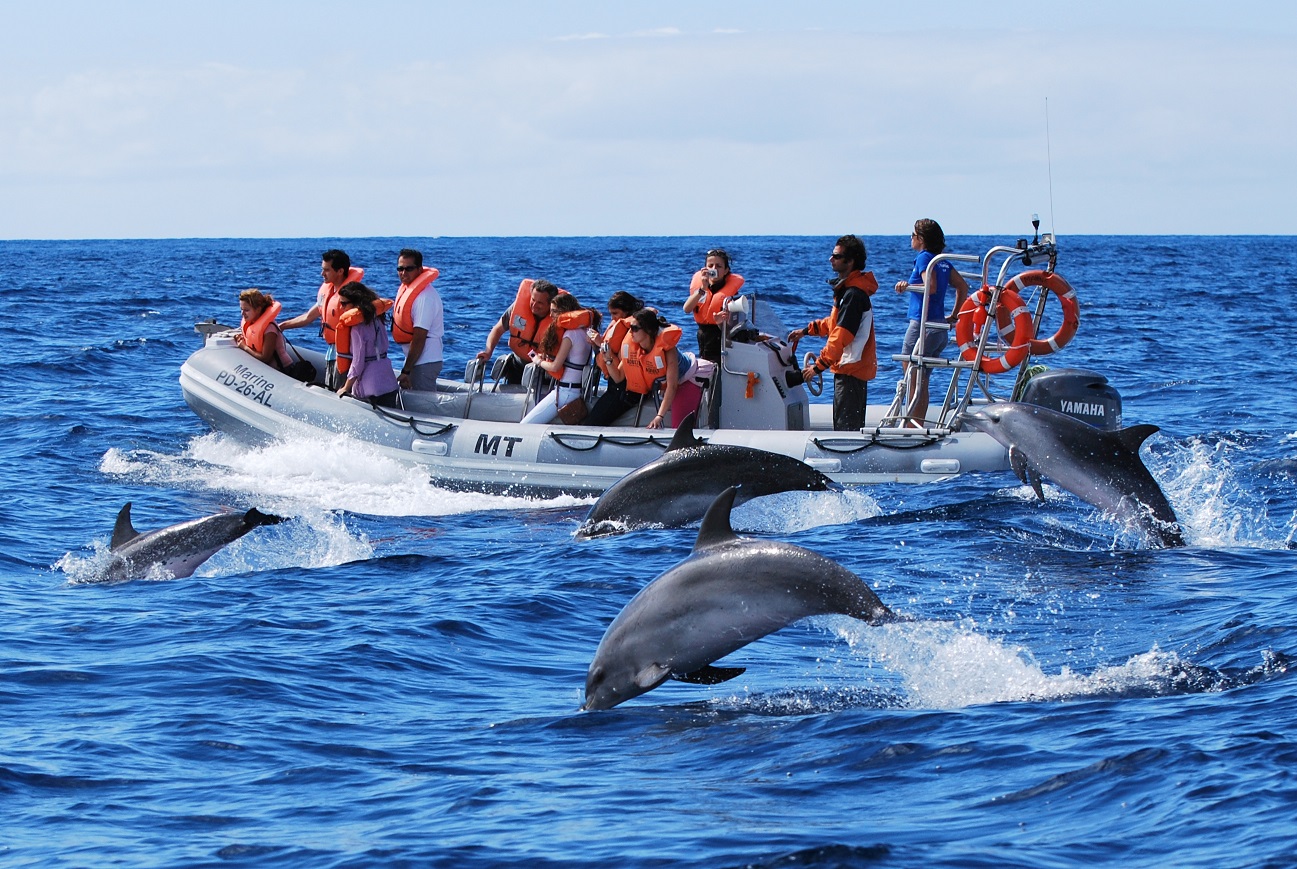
296 119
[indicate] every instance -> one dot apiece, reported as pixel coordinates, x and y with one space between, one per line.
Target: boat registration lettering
247 382
489 445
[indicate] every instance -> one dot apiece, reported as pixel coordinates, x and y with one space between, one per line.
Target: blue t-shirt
937 301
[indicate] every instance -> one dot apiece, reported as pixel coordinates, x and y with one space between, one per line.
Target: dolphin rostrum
177 549
1100 467
729 592
677 488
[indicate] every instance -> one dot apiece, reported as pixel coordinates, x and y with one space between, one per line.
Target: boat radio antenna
1049 169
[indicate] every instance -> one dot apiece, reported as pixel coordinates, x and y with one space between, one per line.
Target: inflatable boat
468 435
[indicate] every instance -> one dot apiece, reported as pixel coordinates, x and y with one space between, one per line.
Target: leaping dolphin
1100 467
729 592
676 488
177 549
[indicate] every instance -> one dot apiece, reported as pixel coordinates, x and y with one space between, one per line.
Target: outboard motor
1076 392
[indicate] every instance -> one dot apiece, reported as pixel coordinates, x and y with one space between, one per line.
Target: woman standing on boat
370 375
260 335
565 351
929 240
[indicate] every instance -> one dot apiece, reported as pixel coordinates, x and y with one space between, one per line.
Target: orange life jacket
566 322
331 306
525 329
254 333
402 316
613 337
645 367
351 318
712 302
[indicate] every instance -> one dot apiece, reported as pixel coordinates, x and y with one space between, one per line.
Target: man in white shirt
418 323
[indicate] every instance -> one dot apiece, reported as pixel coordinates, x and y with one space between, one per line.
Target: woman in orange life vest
335 270
648 355
526 321
260 335
369 374
711 287
564 353
621 305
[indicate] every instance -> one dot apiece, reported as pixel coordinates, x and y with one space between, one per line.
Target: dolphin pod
677 488
1102 468
177 549
729 592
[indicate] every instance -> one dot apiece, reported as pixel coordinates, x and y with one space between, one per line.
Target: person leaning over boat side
418 322
649 355
621 305
525 320
370 375
564 353
850 352
711 286
259 334
336 270
929 240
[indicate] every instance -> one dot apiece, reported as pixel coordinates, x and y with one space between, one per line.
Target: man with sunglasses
850 352
418 322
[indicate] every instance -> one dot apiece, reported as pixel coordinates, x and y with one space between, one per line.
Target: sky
139 119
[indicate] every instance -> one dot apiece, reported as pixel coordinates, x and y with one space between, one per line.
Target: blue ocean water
392 677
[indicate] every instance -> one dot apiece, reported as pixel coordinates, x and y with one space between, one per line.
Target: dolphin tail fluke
716 528
709 675
123 531
254 518
684 436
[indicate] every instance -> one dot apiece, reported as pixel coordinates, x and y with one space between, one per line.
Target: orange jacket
402 322
331 304
712 302
643 367
348 320
849 327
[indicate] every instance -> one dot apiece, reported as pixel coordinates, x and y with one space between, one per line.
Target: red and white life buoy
1055 284
972 320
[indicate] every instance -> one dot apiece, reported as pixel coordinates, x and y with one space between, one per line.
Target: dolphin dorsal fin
684 436
123 531
1133 438
716 528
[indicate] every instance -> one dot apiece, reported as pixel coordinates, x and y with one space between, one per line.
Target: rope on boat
598 439
874 440
413 423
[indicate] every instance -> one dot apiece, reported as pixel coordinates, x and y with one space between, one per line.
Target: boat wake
302 475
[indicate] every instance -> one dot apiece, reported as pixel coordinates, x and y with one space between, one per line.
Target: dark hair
411 253
336 259
565 302
720 252
929 232
541 285
624 301
650 321
854 249
362 297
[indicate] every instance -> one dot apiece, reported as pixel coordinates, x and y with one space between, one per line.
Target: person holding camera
711 287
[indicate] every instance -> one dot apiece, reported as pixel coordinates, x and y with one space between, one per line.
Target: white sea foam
300 475
942 665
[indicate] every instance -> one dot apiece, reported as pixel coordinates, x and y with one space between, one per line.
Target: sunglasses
637 328
403 269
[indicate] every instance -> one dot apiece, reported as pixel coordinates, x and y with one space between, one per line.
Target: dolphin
177 549
1100 467
676 488
729 592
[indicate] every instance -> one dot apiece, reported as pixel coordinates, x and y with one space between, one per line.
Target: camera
711 273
